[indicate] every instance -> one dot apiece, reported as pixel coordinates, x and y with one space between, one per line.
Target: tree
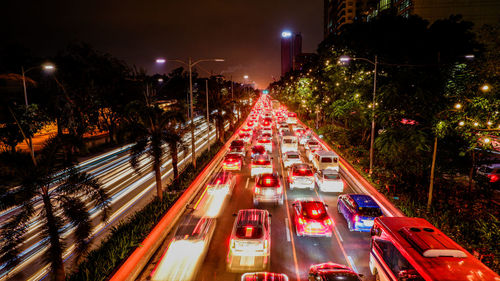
151 128
45 196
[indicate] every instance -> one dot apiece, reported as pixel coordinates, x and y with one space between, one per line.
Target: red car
311 218
232 162
333 271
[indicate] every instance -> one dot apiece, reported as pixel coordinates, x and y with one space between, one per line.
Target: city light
458 106
160 60
461 123
245 76
160 80
48 66
286 34
470 56
344 59
486 140
485 88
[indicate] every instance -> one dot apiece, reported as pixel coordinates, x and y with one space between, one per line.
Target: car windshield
340 276
369 212
249 231
258 149
331 176
326 160
313 143
302 172
313 209
287 141
232 158
261 162
293 156
220 178
236 143
268 180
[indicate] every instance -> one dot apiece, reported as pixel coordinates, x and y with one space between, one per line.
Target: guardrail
136 262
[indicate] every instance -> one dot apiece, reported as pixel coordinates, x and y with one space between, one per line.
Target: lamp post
190 65
346 59
46 67
208 114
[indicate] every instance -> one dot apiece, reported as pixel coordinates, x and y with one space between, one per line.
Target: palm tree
54 200
223 105
151 128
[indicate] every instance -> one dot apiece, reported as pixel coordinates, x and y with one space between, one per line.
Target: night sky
245 33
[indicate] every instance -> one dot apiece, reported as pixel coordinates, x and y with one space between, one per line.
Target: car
359 210
268 189
266 131
312 219
261 164
329 181
237 146
232 162
288 142
192 232
283 130
491 171
312 145
246 137
222 182
332 271
291 157
252 124
267 122
250 237
247 130
298 128
324 159
267 143
265 134
301 176
264 276
304 138
257 150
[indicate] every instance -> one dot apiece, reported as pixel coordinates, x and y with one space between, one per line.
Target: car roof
292 152
323 153
364 200
262 156
301 165
250 217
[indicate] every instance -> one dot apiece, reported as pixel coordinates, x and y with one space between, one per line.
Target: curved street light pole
190 65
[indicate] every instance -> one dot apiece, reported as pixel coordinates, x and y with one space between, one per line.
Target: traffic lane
214 267
138 196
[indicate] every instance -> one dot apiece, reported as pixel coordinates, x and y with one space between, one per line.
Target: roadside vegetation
430 91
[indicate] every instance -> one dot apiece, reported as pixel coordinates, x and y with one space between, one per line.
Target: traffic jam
280 207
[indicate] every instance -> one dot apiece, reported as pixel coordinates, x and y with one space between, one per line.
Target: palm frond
75 211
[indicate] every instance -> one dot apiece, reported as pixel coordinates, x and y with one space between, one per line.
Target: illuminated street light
486 140
344 59
245 76
461 123
458 106
160 80
476 124
485 88
190 64
470 56
286 34
48 66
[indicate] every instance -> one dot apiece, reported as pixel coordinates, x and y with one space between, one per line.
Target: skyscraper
291 46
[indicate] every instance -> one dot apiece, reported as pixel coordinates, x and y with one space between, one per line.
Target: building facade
338 13
477 11
291 46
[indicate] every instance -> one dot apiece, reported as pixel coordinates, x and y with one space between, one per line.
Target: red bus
412 249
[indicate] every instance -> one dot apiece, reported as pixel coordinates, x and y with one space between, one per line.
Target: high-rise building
338 13
291 46
477 11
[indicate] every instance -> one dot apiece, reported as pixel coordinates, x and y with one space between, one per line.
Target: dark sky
245 33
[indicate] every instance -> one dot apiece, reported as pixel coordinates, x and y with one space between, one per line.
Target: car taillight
257 190
493 178
328 222
302 221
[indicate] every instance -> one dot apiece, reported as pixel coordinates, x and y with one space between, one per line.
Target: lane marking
338 233
287 228
294 251
352 264
246 185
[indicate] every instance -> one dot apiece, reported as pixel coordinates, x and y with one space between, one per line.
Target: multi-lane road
290 254
127 189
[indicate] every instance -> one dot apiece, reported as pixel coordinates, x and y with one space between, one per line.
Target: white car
304 138
250 240
223 182
266 131
261 164
291 157
267 143
329 180
301 176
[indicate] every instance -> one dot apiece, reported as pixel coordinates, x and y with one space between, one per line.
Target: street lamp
190 65
46 67
346 59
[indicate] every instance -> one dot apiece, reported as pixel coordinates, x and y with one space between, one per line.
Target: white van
289 142
324 159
